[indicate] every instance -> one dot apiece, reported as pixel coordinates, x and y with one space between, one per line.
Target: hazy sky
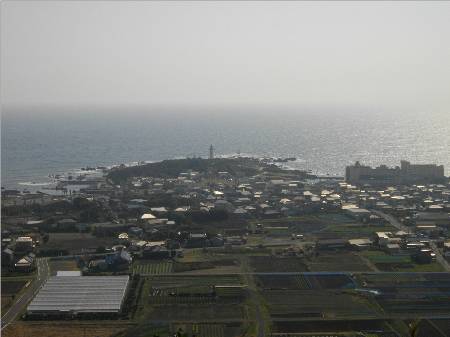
382 55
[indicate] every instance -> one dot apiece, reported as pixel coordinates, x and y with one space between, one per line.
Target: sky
392 56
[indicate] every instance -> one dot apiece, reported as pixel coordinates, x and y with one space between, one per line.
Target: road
394 222
20 304
439 257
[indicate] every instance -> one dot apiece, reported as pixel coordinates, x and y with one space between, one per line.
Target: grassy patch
357 230
428 267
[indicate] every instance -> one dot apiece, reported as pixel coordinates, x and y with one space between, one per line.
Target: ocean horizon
35 145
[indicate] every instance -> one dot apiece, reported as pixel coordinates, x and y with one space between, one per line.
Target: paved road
20 304
393 221
439 257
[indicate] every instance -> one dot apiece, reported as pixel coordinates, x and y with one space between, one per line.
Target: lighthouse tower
211 152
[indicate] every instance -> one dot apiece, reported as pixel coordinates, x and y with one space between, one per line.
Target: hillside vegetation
172 168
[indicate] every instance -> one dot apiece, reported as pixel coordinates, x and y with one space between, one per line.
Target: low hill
172 168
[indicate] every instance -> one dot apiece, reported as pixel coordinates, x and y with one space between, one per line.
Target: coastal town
230 247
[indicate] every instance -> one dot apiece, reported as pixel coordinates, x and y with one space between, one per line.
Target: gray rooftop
80 294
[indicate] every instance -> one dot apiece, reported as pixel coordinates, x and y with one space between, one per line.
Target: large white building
407 173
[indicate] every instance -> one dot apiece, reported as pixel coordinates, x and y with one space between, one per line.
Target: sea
37 144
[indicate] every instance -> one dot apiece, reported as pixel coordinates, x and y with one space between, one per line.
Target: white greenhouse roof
80 294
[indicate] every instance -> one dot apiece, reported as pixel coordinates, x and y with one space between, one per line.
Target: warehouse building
70 295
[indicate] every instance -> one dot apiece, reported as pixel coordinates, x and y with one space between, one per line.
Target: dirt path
368 262
260 320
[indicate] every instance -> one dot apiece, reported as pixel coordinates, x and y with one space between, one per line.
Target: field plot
329 328
56 265
196 313
301 224
326 226
337 261
143 267
188 298
405 280
207 330
10 288
399 263
66 329
75 242
186 295
415 293
283 304
6 302
9 291
306 281
376 280
427 328
275 264
187 280
441 325
282 282
406 304
146 329
337 218
214 265
353 230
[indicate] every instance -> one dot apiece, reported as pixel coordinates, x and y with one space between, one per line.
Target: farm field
307 281
428 328
261 264
187 298
417 293
146 329
399 263
197 312
152 267
66 329
338 225
328 328
198 255
215 264
442 325
284 304
337 261
419 306
397 279
354 230
305 223
57 265
182 280
169 329
75 242
210 330
7 300
10 289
